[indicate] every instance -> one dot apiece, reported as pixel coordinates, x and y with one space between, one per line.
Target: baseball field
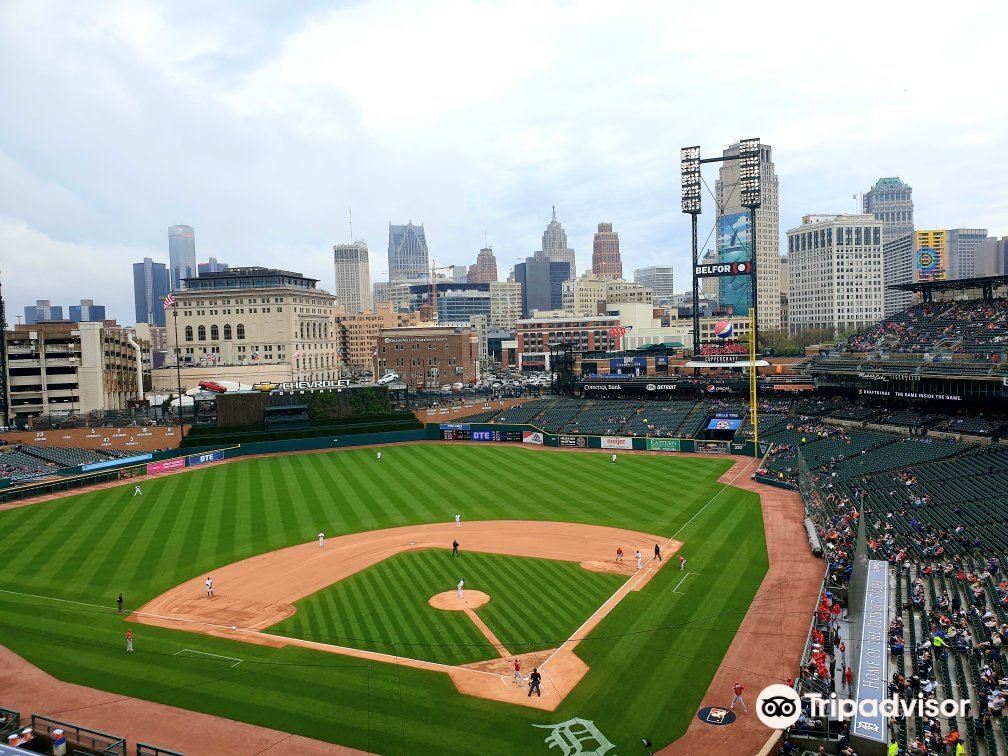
287 662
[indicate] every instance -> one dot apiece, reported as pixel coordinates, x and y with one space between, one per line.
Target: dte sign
202 459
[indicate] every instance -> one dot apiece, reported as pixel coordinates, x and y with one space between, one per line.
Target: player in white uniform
137 491
614 459
640 560
458 520
321 539
460 584
379 456
209 587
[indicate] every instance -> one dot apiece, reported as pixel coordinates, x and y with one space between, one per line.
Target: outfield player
640 560
209 587
519 680
682 562
614 459
458 520
737 689
137 491
321 539
461 583
129 639
379 456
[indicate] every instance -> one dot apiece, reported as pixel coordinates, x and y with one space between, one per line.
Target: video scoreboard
464 433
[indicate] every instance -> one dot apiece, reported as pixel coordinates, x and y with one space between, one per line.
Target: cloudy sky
260 123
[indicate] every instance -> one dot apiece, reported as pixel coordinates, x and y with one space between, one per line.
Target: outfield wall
529 434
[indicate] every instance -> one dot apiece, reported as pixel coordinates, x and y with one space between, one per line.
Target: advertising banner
734 245
712 447
663 444
724 424
931 256
532 437
579 441
481 435
205 458
164 465
115 462
617 442
873 656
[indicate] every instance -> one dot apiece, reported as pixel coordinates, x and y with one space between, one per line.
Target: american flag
255 356
169 301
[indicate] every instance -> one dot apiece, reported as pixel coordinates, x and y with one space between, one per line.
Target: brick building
530 350
429 355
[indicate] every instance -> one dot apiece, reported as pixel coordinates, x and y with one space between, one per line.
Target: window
188 333
241 331
201 331
214 333
227 332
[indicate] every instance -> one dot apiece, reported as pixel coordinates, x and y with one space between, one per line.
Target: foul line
641 573
676 589
235 659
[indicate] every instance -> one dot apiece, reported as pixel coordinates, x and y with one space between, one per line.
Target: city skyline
100 198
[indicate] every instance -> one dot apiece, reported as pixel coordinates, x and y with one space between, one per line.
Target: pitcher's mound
450 601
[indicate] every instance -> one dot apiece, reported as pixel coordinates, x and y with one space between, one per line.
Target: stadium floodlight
750 183
690 165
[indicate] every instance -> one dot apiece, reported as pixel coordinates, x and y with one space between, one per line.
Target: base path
256 593
29 690
768 645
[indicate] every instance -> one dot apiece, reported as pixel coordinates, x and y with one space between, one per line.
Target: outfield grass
535 604
651 659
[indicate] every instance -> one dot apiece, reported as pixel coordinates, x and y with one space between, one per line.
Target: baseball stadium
615 575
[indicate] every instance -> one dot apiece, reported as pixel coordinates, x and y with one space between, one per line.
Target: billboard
617 442
165 465
931 256
734 245
205 458
724 424
578 441
663 444
481 435
532 437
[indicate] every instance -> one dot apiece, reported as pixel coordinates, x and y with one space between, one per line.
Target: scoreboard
466 434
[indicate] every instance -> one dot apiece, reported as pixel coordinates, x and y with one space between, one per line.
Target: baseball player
458 520
682 561
534 680
461 583
614 459
519 680
455 546
657 552
209 587
619 555
321 539
379 456
119 603
129 639
640 560
737 689
137 491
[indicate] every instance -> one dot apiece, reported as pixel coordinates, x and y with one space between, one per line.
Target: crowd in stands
21 462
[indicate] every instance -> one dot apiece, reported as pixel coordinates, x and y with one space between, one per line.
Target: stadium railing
98 742
145 749
10 721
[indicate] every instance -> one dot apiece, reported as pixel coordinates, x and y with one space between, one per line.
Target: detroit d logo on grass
778 706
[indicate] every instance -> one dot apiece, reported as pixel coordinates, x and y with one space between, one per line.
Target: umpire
534 679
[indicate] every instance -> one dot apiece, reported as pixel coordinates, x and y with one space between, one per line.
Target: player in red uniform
737 689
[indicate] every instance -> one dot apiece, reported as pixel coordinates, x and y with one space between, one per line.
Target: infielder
209 587
321 539
460 584
458 520
129 639
519 680
737 689
682 562
137 491
619 555
640 560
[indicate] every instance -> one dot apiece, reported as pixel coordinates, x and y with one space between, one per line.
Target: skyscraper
181 255
407 252
42 311
150 287
353 276
891 201
606 261
554 244
735 239
485 269
898 268
87 312
542 283
963 243
211 266
659 280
